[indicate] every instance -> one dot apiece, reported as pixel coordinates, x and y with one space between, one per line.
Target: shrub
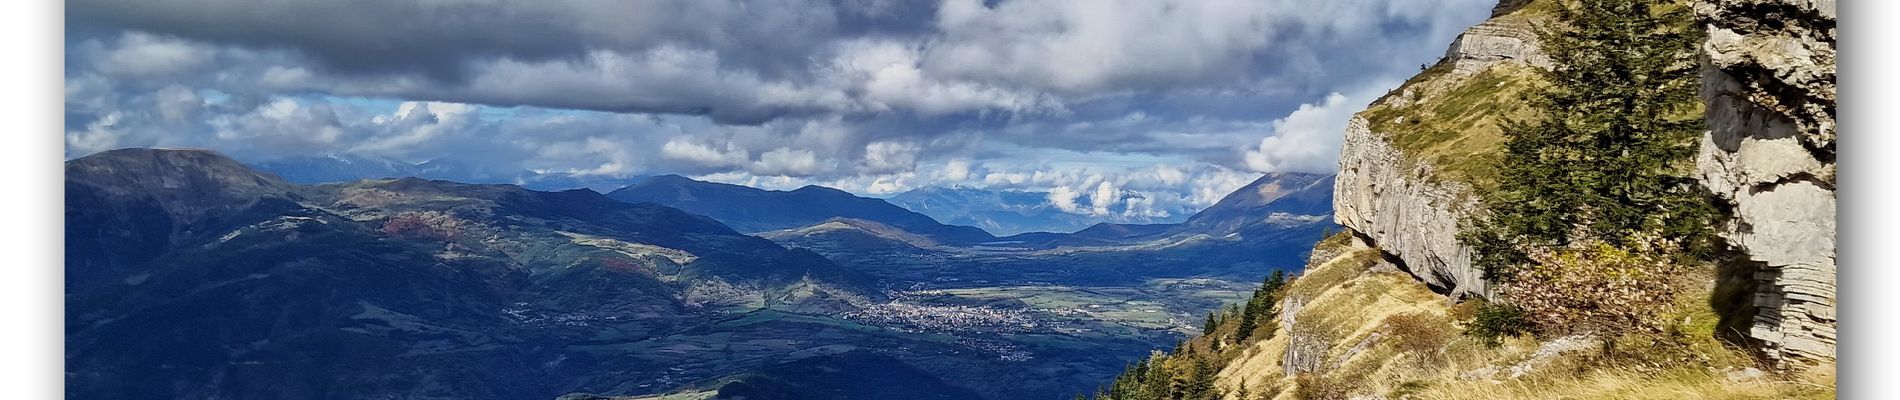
1492 321
1418 333
1593 286
1309 386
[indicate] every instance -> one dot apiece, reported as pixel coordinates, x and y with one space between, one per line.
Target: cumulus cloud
888 157
747 62
178 104
1119 108
414 124
281 126
786 161
956 170
1105 196
1063 197
1308 139
683 149
104 133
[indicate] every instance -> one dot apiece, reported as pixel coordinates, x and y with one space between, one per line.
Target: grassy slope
1349 299
1453 121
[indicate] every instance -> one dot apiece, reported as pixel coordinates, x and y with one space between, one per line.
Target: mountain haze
416 288
1008 212
352 167
187 266
754 210
1270 209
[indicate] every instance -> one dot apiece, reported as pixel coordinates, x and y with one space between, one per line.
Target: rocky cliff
1768 81
1410 161
1383 198
1360 322
1499 39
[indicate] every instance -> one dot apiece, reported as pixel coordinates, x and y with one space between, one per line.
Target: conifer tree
1248 321
1260 305
1610 155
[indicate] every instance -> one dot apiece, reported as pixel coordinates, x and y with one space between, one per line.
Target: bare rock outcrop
1396 204
1768 81
1495 40
1403 205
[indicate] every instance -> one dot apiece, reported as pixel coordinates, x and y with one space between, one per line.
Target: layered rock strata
1393 202
1768 82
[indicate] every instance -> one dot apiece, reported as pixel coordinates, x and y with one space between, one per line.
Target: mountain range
191 275
1009 212
351 167
755 210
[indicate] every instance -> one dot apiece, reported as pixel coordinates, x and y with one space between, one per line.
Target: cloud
415 124
145 55
178 104
956 170
99 135
889 75
1116 108
1105 197
683 149
1308 139
786 162
1063 197
747 62
888 157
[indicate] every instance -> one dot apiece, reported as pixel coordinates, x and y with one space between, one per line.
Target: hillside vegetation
1591 227
1355 326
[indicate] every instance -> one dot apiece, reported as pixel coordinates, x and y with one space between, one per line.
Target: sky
1113 107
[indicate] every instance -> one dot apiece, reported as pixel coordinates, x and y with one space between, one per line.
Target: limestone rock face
1768 81
1395 204
1493 41
1400 205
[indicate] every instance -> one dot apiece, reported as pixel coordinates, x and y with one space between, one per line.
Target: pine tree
1271 284
1248 322
1610 156
1260 305
1201 383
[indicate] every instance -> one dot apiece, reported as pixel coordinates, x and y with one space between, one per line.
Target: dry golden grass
1346 297
1630 384
1452 121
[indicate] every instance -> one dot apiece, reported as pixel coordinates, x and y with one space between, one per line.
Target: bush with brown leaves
1418 334
1592 286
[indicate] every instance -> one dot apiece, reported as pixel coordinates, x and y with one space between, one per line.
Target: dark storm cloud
441 38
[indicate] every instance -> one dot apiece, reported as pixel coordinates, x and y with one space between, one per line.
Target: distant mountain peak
350 167
750 209
1010 212
1290 193
177 177
821 189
